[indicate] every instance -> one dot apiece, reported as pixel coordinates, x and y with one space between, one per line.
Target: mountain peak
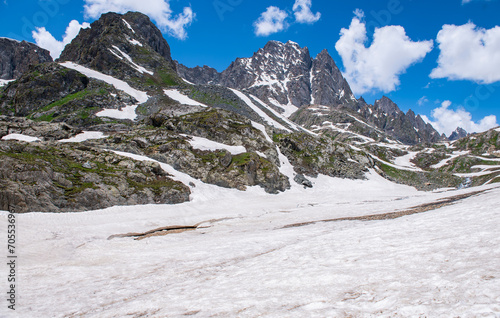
387 106
459 133
16 57
124 46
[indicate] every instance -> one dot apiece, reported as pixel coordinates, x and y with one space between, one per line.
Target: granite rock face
16 57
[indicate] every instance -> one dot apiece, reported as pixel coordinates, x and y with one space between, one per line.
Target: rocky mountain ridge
286 77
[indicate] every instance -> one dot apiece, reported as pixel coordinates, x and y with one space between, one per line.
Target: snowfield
181 98
84 136
5 82
206 144
20 137
245 260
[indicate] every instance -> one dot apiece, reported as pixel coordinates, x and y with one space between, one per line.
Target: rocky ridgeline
16 57
283 72
286 73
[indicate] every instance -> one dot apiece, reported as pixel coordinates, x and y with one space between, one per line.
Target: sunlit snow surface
84 136
181 98
206 144
241 262
20 137
5 82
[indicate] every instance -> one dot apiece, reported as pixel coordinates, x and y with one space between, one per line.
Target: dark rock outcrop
198 75
48 177
16 57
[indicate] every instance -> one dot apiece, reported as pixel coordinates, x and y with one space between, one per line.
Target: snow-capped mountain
128 47
281 74
286 77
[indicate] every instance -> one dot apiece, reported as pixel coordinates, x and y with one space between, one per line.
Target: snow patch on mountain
128 25
141 97
127 57
5 82
84 136
181 98
20 137
259 111
210 145
288 110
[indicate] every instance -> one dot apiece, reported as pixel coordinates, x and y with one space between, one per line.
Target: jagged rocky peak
387 106
278 71
125 46
198 75
328 85
16 57
283 74
459 133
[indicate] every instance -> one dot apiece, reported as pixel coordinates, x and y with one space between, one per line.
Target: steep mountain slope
280 74
16 57
128 47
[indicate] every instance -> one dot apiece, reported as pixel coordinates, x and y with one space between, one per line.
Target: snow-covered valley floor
243 261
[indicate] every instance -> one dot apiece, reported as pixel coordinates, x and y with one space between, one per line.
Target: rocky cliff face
16 57
282 73
407 128
198 75
129 47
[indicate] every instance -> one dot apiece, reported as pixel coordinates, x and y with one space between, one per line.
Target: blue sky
396 61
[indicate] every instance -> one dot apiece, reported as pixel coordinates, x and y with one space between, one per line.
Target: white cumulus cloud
271 21
379 66
46 40
158 10
468 53
303 13
446 120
